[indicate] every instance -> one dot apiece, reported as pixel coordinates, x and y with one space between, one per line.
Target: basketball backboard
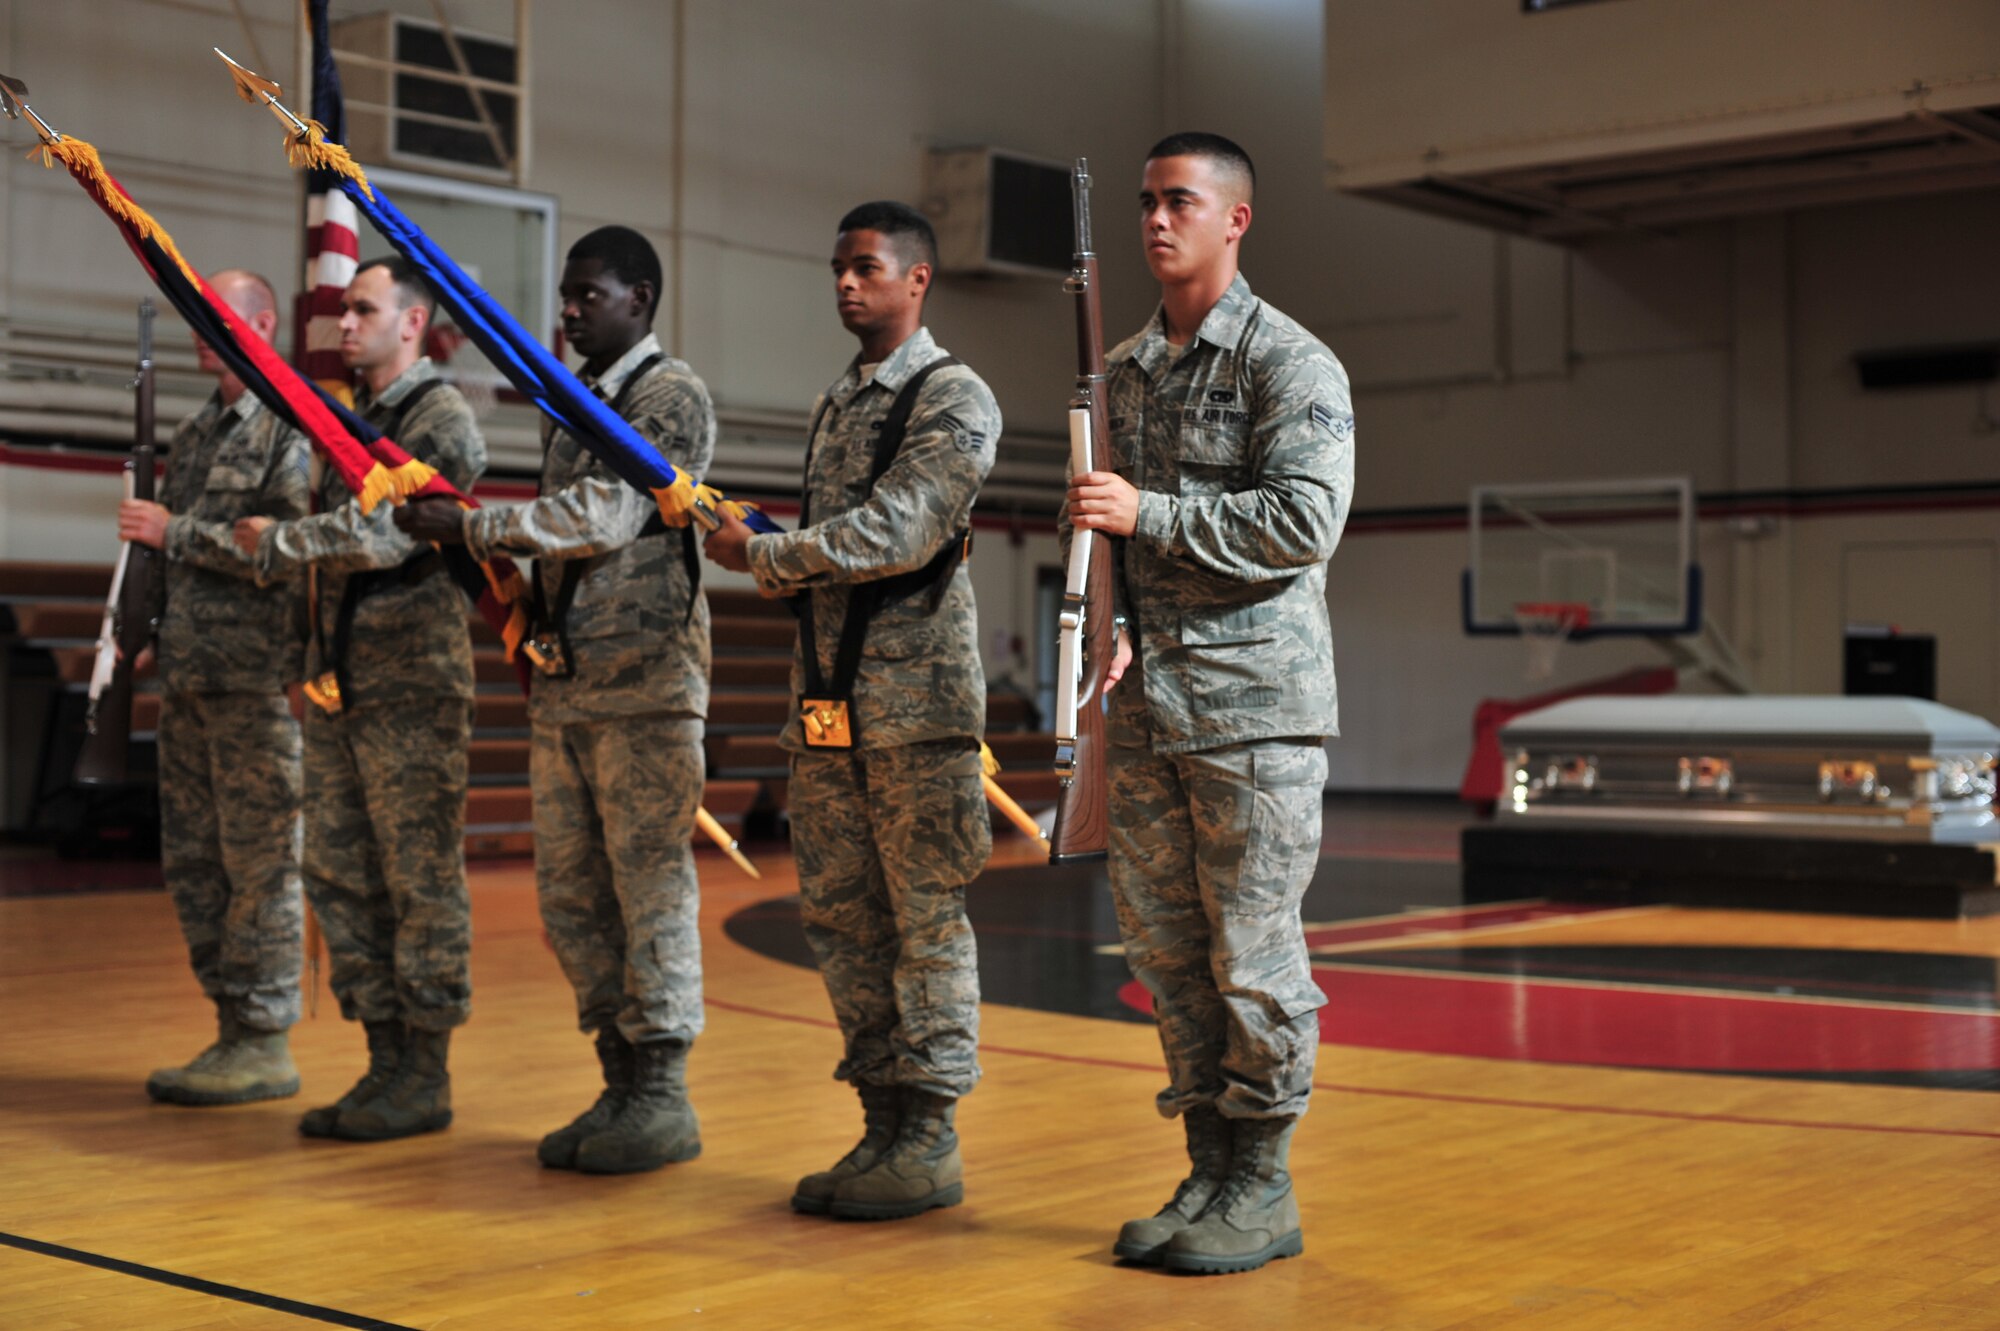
1624 549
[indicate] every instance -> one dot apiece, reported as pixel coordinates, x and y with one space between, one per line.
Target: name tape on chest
1214 416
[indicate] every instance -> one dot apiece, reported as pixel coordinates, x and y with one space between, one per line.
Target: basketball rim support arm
1087 633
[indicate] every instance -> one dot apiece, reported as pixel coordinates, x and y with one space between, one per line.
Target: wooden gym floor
1529 1116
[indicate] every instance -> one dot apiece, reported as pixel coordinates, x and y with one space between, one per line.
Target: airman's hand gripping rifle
1087 636
131 611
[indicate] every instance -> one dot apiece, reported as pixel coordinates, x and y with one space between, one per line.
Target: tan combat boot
1208 1147
417 1100
242 1065
385 1059
615 1058
165 1083
920 1170
881 1112
656 1125
1255 1216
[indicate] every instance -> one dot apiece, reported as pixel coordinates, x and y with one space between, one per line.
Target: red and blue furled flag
373 467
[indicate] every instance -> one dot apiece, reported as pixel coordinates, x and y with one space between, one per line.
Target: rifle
132 610
1087 635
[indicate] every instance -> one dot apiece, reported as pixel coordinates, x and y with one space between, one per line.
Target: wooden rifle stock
1082 824
134 603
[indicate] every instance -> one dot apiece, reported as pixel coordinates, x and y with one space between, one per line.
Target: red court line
1435 1097
1448 922
1572 971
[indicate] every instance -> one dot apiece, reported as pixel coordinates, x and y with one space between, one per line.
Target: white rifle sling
1069 658
105 665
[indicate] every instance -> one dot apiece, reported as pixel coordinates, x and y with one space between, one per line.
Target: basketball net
1545 626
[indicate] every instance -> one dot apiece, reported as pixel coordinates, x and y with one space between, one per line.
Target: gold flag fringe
410 477
721 503
676 501
311 151
83 161
379 484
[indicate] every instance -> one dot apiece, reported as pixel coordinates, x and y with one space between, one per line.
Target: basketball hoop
1545 626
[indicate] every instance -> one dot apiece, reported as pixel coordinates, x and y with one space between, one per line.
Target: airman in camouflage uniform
386 771
228 745
1234 461
616 757
888 833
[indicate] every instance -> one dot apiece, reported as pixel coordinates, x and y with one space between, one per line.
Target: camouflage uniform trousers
229 846
614 868
887 840
385 858
1211 854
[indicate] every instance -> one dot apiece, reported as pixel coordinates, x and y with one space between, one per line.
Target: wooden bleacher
49 616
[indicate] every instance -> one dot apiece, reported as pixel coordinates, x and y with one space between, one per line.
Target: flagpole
678 213
302 256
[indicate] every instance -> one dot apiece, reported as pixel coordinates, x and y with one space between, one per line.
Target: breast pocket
230 489
1212 458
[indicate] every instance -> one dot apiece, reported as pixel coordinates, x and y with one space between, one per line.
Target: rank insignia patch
1339 424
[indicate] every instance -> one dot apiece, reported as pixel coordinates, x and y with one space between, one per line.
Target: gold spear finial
254 88
14 101
306 143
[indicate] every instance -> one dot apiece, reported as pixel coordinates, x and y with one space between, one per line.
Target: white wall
1419 86
1723 353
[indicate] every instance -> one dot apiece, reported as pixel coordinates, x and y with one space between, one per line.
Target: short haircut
625 254
410 283
1226 154
908 233
249 294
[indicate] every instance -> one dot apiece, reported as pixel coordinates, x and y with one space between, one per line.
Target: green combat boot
920 1170
385 1057
1208 1148
417 1100
1255 1216
881 1113
558 1149
656 1125
241 1066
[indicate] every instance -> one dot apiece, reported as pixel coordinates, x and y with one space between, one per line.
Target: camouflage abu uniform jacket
221 632
920 675
1242 449
633 645
409 640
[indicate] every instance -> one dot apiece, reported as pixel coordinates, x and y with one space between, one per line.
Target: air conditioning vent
999 212
409 104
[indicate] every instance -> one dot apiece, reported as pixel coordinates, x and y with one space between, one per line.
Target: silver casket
1878 769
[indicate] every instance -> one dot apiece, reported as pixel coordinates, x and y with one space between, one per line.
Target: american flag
332 239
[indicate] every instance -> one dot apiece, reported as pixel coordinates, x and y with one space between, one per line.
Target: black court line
332 1316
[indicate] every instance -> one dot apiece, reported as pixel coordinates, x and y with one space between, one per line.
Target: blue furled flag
530 367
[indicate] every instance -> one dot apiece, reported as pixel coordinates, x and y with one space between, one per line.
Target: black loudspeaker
1902 665
1924 367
